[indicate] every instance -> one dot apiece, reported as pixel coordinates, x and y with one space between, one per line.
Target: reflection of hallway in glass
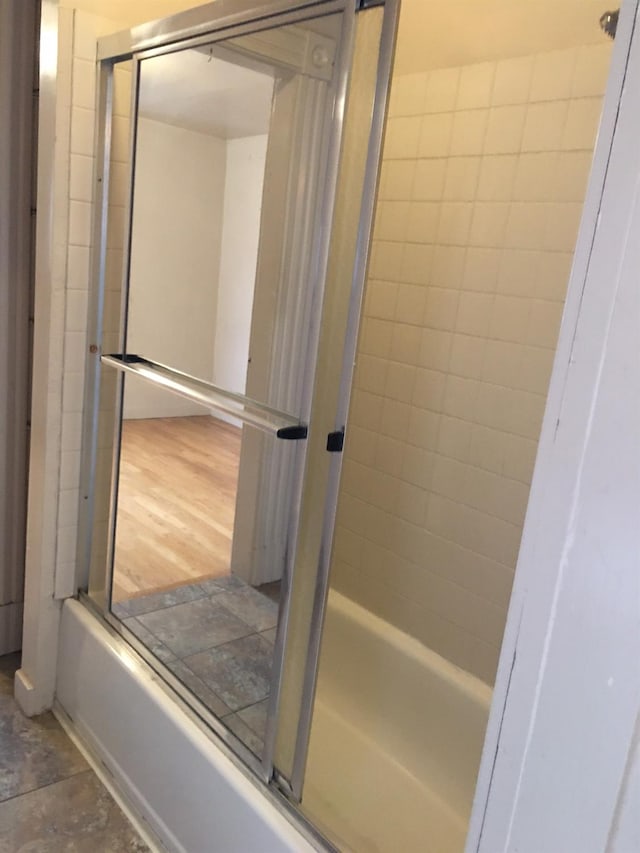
173 587
176 503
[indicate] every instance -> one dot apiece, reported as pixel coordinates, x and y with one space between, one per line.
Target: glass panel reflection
176 584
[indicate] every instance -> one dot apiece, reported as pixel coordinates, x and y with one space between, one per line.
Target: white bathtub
396 739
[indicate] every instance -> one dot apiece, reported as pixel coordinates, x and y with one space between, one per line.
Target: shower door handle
281 424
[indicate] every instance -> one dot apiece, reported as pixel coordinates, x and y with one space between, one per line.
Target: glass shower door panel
485 166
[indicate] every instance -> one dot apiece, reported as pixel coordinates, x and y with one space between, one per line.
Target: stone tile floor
217 637
50 799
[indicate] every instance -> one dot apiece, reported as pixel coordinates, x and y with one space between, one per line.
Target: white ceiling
193 90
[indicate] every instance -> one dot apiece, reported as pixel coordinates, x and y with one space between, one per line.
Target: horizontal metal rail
277 423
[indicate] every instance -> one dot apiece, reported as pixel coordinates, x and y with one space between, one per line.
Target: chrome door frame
212 22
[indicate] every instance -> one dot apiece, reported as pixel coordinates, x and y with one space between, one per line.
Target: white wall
175 259
240 235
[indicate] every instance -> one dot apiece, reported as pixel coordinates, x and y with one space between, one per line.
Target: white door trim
568 677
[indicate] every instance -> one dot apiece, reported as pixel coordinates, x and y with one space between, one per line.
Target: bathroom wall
484 172
175 260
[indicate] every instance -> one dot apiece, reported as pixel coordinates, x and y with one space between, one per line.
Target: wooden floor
176 503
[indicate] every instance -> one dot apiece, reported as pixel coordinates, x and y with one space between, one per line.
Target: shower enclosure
327 289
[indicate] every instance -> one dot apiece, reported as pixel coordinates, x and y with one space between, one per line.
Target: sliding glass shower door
225 171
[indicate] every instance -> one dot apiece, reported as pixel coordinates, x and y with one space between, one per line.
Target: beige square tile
467 356
80 223
81 178
519 458
443 517
428 390
435 348
391 220
469 128
504 129
362 445
417 466
441 308
376 337
512 81
429 179
571 175
544 323
422 430
76 310
535 176
454 438
398 180
460 396
386 261
400 381
411 304
583 121
481 269
442 90
412 503
544 127
563 222
380 299
526 226
475 86
448 478
388 454
489 223
455 223
84 84
487 448
122 92
520 272
553 75
82 129
448 266
405 343
417 263
120 139
371 373
497 176
461 179
474 313
535 369
510 318
78 268
553 275
435 135
502 361
422 223
366 410
401 138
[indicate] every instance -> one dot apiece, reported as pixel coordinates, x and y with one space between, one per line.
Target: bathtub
396 739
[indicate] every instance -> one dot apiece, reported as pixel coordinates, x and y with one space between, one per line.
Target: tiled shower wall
484 173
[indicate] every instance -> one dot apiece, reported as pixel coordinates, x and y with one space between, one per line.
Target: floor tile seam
204 684
65 778
220 645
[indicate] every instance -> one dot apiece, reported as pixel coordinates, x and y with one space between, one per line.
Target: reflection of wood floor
176 504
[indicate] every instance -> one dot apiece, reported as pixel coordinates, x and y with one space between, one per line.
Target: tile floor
50 799
217 637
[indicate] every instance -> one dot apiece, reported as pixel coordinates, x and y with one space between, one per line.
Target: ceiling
444 33
203 93
189 90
